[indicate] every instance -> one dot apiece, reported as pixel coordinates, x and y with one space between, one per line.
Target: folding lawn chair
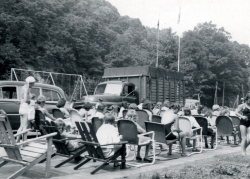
31 153
225 127
185 126
94 148
161 132
156 119
142 116
57 113
129 133
60 144
202 121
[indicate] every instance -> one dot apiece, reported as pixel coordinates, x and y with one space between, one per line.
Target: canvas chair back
60 146
128 130
162 112
156 119
185 125
57 113
87 132
96 123
202 121
142 117
235 120
224 125
7 137
74 116
124 112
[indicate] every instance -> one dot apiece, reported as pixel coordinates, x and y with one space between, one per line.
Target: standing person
26 97
243 112
171 116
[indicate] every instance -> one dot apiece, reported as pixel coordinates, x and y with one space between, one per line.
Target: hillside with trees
86 36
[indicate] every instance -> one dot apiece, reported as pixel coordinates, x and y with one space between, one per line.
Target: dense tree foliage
86 36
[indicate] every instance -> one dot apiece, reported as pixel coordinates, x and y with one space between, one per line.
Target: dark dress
245 112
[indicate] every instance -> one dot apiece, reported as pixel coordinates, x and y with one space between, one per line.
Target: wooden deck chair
156 119
124 112
96 122
61 146
202 121
225 128
161 132
94 148
129 133
142 116
31 154
185 126
57 113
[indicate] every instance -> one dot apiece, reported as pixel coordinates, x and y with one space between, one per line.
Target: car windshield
109 89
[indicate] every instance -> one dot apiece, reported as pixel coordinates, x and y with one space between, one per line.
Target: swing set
70 83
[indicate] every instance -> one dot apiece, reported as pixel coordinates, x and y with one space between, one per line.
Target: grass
219 167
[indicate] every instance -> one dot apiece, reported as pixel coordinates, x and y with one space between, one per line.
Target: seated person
169 117
73 146
99 111
157 108
113 110
132 116
107 134
140 105
165 105
147 107
61 104
133 106
194 124
40 106
82 111
124 106
87 112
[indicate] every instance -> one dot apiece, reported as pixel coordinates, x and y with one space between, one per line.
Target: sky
233 15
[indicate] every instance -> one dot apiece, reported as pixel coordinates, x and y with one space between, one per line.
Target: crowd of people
108 132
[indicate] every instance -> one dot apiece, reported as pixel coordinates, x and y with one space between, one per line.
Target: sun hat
41 98
30 79
215 107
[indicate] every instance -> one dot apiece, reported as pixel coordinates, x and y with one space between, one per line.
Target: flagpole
157 46
179 39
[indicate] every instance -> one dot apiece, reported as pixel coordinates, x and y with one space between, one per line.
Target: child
107 134
157 108
60 104
73 146
41 101
132 116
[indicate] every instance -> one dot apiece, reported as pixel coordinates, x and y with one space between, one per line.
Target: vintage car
10 98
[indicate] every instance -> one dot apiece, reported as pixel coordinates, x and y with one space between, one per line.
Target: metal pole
11 74
52 79
84 86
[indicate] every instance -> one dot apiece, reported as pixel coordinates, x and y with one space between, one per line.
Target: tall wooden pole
179 54
223 93
156 64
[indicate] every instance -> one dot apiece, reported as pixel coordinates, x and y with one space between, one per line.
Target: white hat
30 79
